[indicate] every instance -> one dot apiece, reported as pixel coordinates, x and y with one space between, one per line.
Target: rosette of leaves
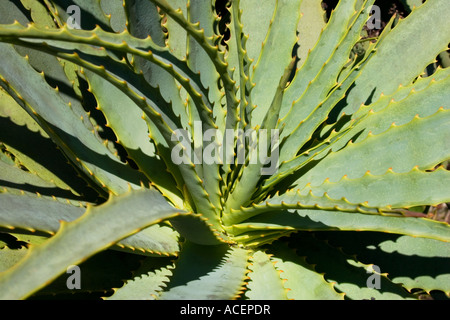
92 93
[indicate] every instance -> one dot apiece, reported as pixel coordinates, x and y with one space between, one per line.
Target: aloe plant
94 110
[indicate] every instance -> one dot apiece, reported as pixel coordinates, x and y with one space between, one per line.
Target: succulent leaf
270 65
338 267
151 277
224 149
87 156
414 255
33 273
395 190
310 103
397 151
219 273
265 281
301 279
323 220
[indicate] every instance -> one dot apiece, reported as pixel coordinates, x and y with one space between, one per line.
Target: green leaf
309 28
91 13
256 21
33 213
10 257
322 220
147 281
349 275
115 13
396 190
300 162
59 74
437 276
156 240
99 274
76 40
38 12
294 199
400 149
212 273
34 150
408 37
310 109
302 280
44 214
144 20
411 4
415 263
251 171
198 229
96 230
423 98
176 35
213 53
271 64
330 38
65 128
14 178
201 12
125 119
260 237
239 61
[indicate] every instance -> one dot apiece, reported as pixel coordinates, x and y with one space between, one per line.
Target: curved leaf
147 281
321 220
396 190
66 129
302 280
349 275
207 273
97 229
265 282
415 263
421 46
421 142
44 214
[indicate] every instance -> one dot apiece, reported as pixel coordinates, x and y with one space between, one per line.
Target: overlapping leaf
363 145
